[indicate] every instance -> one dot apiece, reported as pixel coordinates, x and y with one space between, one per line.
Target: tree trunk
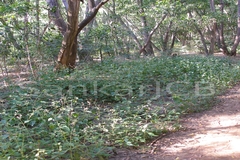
148 48
237 38
203 40
84 54
166 40
68 52
213 29
55 15
221 33
213 38
130 32
201 36
173 40
151 34
26 39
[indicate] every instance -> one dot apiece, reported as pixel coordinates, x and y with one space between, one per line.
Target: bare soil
209 135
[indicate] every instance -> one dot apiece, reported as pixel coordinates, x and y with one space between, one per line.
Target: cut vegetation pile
87 113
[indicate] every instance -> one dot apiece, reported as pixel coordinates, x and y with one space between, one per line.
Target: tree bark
212 38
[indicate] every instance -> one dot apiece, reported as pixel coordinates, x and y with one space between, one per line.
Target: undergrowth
86 114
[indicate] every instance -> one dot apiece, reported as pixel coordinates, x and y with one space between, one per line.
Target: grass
86 114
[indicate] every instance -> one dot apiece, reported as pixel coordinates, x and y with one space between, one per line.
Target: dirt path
210 135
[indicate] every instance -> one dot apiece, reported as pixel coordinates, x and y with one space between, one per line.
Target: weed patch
105 105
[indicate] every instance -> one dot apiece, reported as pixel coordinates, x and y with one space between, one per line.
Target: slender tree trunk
213 38
201 36
151 34
89 8
221 32
130 32
5 65
38 20
213 29
55 15
124 25
38 33
166 39
203 40
148 48
237 38
173 40
85 52
26 38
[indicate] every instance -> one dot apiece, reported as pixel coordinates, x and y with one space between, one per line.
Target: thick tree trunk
68 52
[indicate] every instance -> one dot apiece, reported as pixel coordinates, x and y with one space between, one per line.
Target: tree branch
91 15
151 33
55 15
130 32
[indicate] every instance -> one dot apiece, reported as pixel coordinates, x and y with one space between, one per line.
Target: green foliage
86 113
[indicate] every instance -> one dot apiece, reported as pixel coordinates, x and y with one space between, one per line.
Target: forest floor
210 135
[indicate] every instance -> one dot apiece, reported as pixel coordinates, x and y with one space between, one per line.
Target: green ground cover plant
86 114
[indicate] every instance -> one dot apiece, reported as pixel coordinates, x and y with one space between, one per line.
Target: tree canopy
132 27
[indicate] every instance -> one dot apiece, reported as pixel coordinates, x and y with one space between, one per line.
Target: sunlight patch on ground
212 143
211 136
